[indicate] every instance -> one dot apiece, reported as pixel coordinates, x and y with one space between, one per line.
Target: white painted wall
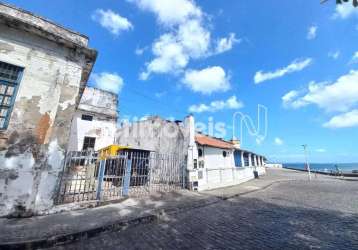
100 127
214 158
218 171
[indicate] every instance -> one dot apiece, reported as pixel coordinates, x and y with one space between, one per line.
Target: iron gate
86 177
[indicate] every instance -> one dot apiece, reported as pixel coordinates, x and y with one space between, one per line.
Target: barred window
9 81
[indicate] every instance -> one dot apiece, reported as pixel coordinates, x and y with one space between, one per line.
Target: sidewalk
45 231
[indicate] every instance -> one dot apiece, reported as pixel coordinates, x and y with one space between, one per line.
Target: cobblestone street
293 214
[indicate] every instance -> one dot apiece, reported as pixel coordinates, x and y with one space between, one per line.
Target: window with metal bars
88 143
10 76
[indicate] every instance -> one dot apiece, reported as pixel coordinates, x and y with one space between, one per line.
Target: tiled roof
212 142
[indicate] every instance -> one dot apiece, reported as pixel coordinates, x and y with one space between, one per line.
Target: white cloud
170 57
355 57
226 43
230 103
111 21
334 54
111 82
297 65
278 141
320 150
186 36
345 120
289 97
208 80
340 96
171 12
345 10
312 32
140 51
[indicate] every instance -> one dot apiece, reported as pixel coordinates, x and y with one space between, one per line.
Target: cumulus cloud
345 120
186 36
278 141
226 43
111 21
111 82
334 54
170 57
355 57
339 96
140 51
170 13
312 32
297 65
207 81
345 10
230 103
289 100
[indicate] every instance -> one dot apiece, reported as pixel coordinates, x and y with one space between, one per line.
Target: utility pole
307 164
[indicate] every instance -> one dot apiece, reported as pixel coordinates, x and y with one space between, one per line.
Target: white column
242 159
250 160
255 160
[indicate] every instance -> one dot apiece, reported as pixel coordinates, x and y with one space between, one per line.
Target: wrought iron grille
86 177
9 81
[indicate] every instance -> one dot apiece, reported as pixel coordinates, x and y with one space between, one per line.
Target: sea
325 167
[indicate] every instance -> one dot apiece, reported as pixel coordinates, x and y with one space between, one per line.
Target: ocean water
327 167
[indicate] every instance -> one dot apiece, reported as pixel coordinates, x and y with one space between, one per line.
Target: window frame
84 140
16 85
86 115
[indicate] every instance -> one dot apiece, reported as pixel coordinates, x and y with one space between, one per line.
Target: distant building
215 163
210 162
157 135
94 123
44 69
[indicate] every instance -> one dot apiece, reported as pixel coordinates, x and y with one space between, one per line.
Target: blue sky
297 58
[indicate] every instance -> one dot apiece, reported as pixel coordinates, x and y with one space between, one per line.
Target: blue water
326 167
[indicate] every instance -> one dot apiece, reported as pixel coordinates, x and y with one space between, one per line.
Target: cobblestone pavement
296 214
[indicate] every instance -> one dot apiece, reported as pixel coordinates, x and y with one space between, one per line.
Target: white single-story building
94 123
218 163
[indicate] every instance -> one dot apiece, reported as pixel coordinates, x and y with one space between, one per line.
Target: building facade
210 162
44 69
94 123
157 135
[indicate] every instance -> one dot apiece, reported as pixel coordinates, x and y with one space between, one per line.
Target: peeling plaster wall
32 148
156 134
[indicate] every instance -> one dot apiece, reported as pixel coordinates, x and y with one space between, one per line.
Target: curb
67 238
57 240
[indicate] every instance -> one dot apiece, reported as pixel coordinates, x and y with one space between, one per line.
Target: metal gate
86 177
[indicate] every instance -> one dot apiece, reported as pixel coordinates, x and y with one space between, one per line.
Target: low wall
224 177
332 173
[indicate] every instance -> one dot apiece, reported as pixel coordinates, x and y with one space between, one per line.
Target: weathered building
156 134
94 123
210 162
44 69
